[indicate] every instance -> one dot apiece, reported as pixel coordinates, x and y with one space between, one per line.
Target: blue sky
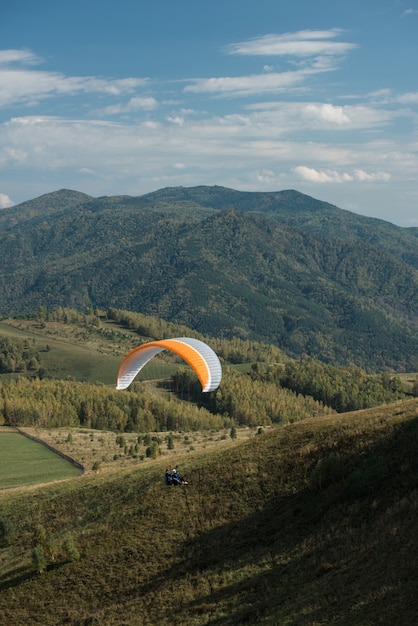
258 95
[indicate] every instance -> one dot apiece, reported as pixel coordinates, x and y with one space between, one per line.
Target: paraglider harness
172 478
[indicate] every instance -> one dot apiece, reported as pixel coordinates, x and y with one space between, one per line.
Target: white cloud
316 48
176 119
5 201
305 43
387 96
19 56
287 117
272 82
266 176
29 87
332 176
235 141
408 98
321 176
132 106
326 113
363 176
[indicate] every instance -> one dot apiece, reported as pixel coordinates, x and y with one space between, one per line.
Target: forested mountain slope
268 267
306 213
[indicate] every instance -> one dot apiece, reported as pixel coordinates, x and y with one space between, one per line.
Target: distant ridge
279 267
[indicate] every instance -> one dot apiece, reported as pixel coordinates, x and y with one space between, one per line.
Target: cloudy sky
258 95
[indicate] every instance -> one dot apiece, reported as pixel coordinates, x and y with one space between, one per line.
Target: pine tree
70 549
39 559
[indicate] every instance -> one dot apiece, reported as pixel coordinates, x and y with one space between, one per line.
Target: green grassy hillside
68 350
313 523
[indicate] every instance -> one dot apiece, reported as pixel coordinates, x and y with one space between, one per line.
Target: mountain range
278 267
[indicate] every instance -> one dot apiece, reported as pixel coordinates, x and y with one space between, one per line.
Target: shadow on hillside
242 563
256 565
16 578
268 564
236 551
25 573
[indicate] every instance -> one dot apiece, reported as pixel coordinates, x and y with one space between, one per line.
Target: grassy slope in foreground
314 523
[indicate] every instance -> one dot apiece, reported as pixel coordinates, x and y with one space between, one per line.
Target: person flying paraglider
172 477
175 476
168 477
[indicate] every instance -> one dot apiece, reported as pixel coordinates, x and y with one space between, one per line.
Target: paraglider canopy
201 358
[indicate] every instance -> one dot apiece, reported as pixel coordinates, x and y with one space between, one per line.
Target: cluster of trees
56 403
343 389
284 393
152 444
249 402
18 356
149 326
68 315
239 401
234 350
48 549
231 350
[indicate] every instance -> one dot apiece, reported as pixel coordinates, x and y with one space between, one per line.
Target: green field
26 462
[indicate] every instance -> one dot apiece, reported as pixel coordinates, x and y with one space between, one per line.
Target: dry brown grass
101 448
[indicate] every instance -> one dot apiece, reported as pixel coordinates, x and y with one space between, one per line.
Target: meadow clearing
25 462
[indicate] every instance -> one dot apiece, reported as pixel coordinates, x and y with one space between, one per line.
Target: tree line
232 350
240 401
249 402
55 403
276 390
342 388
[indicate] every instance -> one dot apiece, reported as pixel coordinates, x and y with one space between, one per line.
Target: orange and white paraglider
201 358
